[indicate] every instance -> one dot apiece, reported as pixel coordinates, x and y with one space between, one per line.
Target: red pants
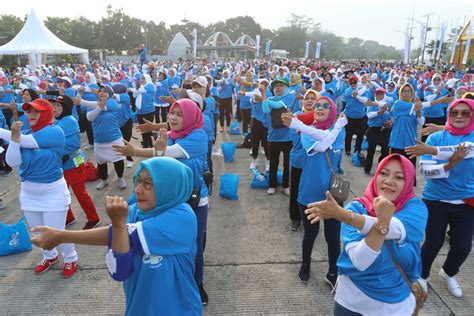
76 180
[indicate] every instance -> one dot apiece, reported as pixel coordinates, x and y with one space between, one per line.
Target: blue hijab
172 181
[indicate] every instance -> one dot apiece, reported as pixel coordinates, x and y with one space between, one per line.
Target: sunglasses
465 113
324 105
352 82
437 79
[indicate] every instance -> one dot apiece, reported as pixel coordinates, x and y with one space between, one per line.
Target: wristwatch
383 230
160 153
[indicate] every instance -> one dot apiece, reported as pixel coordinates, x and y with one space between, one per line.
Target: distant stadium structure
179 47
219 45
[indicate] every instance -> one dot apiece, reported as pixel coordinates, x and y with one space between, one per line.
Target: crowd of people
307 111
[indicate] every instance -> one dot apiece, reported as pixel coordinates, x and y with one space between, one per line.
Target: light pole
426 35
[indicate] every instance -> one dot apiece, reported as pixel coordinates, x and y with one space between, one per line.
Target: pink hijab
192 118
331 116
461 131
407 193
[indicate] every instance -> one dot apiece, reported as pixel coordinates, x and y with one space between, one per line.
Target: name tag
78 160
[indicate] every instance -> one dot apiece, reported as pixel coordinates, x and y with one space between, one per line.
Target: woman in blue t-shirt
44 196
388 219
152 243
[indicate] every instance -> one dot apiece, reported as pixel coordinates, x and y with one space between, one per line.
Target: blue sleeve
349 233
120 264
49 137
124 98
111 105
195 144
414 216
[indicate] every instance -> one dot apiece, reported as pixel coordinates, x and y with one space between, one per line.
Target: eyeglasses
352 82
437 79
465 113
147 185
324 105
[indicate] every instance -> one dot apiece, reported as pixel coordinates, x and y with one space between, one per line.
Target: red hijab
46 116
192 118
407 193
461 131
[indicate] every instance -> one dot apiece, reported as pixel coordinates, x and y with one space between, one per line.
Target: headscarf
461 131
327 123
92 78
172 183
316 94
46 115
67 106
406 194
412 92
119 76
192 118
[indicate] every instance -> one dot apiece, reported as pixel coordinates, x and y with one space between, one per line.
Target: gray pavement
252 259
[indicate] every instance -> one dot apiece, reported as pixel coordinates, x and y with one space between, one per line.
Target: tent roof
34 37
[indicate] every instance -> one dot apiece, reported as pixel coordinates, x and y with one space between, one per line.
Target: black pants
332 230
147 142
404 154
246 116
460 220
225 109
161 112
86 126
275 148
357 127
103 170
238 115
295 176
127 130
376 136
434 120
8 117
259 134
340 310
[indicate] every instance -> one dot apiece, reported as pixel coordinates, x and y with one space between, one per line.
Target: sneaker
424 284
88 146
271 191
71 222
304 272
286 191
2 205
122 183
253 164
102 184
331 279
129 164
203 294
367 173
348 153
90 225
295 225
251 152
45 265
267 166
69 269
453 285
8 173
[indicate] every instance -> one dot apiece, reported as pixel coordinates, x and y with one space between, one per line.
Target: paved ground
252 260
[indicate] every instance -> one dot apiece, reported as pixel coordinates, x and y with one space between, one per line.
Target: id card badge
78 160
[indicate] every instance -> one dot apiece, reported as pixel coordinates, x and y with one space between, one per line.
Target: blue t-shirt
72 145
437 110
381 280
195 146
379 120
309 190
404 128
226 89
106 127
245 101
354 108
164 247
148 100
297 153
43 164
161 91
124 112
459 184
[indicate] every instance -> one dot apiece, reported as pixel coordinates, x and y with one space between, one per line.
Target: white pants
55 220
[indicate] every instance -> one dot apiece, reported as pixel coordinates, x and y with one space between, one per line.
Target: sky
379 20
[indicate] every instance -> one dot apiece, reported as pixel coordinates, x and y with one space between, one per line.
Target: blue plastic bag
259 180
234 128
279 176
229 186
228 150
14 238
134 117
356 161
365 144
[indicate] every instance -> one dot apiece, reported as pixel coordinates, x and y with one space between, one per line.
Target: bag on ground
14 238
228 150
229 186
234 128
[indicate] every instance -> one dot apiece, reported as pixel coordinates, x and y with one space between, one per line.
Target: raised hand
125 150
117 209
431 128
286 118
16 131
384 209
161 142
323 210
420 149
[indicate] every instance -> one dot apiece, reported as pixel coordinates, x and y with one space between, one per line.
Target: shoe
88 146
253 164
203 294
69 269
102 184
424 284
129 164
286 191
295 225
8 173
122 183
90 225
271 191
331 279
251 152
45 265
267 166
71 222
348 153
304 272
2 206
453 285
367 173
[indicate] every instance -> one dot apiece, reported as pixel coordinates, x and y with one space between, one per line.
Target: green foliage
10 25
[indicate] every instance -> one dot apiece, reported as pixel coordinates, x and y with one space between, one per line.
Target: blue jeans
460 219
201 215
332 231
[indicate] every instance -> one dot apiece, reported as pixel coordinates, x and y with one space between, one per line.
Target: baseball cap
67 80
63 99
38 104
201 80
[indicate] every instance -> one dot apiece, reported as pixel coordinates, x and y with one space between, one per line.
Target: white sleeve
87 89
158 84
362 99
425 105
26 141
430 170
13 155
362 90
371 114
420 120
89 104
176 151
431 97
325 143
361 255
315 133
396 228
445 152
92 115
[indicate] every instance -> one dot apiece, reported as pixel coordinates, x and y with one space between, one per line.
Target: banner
267 47
433 53
306 50
318 50
468 42
441 39
406 51
257 44
194 42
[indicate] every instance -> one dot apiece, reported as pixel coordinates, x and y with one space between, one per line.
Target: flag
468 42
441 39
257 45
194 42
318 50
306 50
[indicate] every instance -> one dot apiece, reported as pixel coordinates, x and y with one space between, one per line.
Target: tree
10 25
240 25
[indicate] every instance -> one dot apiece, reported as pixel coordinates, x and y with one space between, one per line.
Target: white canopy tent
36 41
